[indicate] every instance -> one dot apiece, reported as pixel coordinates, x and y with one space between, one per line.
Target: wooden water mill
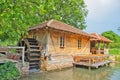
32 52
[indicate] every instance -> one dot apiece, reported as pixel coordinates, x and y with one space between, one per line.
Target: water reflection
94 74
103 73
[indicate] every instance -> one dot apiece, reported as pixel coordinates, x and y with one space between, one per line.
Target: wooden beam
89 64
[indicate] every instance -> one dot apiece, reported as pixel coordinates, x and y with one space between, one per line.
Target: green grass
116 53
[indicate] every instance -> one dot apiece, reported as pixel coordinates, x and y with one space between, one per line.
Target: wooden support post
98 47
89 64
23 55
47 43
108 45
73 65
109 64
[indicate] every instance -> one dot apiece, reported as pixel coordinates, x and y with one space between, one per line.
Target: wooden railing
17 47
91 60
94 58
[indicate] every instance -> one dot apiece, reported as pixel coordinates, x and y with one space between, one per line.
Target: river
111 72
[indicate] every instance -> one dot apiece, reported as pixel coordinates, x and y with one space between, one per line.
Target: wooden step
33 46
34 54
35 50
34 67
31 57
31 39
34 63
33 43
34 59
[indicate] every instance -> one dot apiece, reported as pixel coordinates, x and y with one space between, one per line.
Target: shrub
116 53
115 45
9 71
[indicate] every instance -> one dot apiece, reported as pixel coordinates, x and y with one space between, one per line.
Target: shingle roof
54 24
98 37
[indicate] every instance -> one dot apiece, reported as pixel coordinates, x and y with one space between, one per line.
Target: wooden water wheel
32 52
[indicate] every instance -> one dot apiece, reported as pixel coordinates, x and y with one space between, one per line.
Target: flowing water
111 72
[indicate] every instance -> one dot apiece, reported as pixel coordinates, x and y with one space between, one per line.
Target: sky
103 15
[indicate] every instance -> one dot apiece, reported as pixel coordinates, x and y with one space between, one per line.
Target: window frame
62 41
79 43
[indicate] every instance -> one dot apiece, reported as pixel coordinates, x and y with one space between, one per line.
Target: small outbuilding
59 42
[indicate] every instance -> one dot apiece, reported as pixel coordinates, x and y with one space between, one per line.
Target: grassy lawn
116 53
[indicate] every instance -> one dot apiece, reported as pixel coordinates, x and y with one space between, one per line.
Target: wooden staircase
34 53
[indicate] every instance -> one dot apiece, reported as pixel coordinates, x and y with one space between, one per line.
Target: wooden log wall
71 43
51 40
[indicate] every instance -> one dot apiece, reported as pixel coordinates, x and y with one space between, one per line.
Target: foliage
8 71
112 36
115 45
17 15
116 53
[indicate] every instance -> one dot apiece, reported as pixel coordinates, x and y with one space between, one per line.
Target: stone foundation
58 62
112 58
58 65
24 69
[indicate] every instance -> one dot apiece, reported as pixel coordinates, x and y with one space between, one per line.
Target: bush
115 45
116 53
8 71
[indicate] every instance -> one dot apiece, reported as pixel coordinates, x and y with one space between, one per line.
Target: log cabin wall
62 57
70 43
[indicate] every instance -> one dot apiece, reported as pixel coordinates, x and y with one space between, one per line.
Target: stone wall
24 69
58 62
58 65
112 58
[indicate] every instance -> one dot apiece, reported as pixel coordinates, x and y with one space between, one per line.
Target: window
79 43
62 42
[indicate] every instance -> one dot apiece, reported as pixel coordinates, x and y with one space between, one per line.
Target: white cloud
100 8
103 15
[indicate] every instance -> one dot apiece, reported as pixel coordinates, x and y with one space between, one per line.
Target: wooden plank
100 63
96 65
6 60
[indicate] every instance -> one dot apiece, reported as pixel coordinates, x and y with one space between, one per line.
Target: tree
112 36
16 16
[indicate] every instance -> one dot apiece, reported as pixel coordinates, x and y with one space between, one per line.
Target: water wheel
32 52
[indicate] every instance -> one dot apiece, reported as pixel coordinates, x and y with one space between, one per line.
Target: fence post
23 55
